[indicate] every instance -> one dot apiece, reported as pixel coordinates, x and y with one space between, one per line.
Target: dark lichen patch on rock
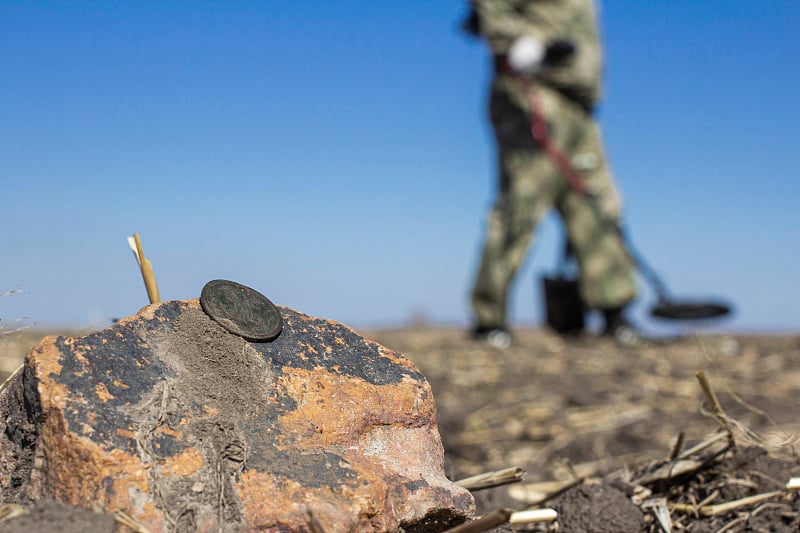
317 470
116 367
334 347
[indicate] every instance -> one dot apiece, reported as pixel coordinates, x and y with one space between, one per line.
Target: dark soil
598 508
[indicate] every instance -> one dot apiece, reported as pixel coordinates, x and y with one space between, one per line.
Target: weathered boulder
186 427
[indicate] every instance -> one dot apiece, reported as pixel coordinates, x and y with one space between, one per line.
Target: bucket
564 307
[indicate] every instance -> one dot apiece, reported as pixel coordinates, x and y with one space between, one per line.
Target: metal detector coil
687 310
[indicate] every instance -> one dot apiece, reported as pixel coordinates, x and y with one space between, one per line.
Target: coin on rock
241 310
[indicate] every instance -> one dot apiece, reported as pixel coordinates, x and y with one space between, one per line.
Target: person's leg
607 272
528 185
509 231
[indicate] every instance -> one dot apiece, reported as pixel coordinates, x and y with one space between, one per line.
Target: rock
186 427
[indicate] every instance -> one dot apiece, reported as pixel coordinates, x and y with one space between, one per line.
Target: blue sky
336 157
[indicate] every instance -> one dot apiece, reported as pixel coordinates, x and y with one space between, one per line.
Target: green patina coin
241 310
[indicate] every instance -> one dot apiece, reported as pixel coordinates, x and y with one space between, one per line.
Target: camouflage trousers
530 185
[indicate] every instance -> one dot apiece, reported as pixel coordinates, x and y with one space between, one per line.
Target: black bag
564 307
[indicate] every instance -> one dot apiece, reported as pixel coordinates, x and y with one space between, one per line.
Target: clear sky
336 157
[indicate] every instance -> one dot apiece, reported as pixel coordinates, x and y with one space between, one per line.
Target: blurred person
548 62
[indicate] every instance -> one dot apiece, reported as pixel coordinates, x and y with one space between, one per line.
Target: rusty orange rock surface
187 427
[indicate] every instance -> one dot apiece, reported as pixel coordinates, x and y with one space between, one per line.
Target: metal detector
666 307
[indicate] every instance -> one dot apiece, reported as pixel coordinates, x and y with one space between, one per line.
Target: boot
496 337
621 329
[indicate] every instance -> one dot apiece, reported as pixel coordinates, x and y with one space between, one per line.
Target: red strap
542 138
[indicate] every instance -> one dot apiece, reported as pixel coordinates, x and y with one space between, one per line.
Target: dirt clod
597 509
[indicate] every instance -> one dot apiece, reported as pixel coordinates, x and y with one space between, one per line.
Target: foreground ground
574 408
584 409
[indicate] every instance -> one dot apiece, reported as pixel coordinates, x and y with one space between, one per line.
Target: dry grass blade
536 493
485 523
9 378
722 508
700 446
489 480
9 292
671 470
15 329
779 441
146 267
719 412
678 446
606 418
581 471
733 523
11 510
533 516
710 498
686 466
312 522
5 330
121 517
660 509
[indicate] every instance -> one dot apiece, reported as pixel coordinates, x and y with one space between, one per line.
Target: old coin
241 310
